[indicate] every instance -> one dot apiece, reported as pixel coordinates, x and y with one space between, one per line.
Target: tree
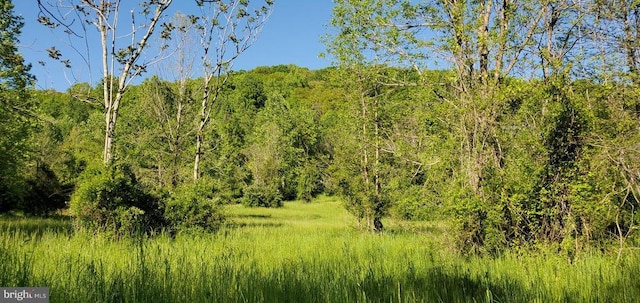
616 35
174 110
361 53
486 43
164 111
605 195
155 137
14 73
121 61
15 111
283 148
226 30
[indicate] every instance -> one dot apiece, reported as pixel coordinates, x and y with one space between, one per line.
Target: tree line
531 86
528 135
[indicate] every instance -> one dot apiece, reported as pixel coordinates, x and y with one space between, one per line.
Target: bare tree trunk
377 217
177 138
204 118
549 27
108 138
455 11
111 103
365 155
483 40
106 92
196 163
503 22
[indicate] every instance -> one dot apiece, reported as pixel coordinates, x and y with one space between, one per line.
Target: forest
499 132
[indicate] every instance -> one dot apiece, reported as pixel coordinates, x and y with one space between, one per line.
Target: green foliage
111 200
411 203
262 196
556 166
309 181
516 163
46 193
15 122
159 115
14 73
511 150
283 151
61 138
193 207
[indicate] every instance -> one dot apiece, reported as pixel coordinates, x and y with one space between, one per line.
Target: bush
8 195
262 196
412 203
45 193
193 207
309 182
111 200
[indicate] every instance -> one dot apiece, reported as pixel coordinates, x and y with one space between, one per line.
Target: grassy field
298 253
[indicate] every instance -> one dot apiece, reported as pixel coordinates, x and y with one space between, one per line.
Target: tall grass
300 253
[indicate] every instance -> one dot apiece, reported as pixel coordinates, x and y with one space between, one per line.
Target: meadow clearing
298 253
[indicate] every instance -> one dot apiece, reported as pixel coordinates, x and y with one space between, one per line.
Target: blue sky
291 36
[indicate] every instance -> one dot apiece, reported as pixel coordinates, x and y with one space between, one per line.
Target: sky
292 35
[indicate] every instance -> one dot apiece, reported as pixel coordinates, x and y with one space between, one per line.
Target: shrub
111 200
262 196
9 195
45 193
411 203
193 207
309 182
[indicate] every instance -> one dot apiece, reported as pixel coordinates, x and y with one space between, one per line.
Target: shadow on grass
236 225
412 230
298 283
305 281
36 226
251 216
251 220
